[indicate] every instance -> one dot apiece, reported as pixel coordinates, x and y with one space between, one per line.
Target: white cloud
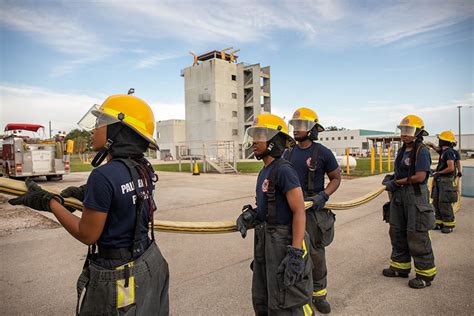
168 111
156 59
35 105
90 32
437 118
385 116
323 22
58 30
26 104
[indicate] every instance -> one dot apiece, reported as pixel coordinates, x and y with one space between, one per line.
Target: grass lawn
362 169
77 166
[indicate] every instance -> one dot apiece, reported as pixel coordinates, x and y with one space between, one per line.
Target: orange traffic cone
196 169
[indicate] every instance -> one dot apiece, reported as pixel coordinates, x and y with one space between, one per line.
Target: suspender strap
271 192
312 169
411 172
142 195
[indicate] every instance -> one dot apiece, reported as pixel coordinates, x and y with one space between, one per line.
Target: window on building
234 78
234 95
234 113
339 138
327 138
352 137
332 138
235 132
365 145
345 137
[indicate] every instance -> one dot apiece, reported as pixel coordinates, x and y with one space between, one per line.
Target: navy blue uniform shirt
444 156
423 163
301 159
456 155
287 179
110 189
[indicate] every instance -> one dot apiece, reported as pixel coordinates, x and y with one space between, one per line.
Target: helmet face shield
407 130
258 135
95 118
302 125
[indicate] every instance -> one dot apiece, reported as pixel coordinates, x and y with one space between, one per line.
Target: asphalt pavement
210 274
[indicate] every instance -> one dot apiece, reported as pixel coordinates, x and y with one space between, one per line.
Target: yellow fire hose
15 187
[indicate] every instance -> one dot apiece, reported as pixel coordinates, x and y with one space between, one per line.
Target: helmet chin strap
104 152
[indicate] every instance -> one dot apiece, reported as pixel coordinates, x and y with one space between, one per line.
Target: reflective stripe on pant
411 218
269 295
103 286
444 196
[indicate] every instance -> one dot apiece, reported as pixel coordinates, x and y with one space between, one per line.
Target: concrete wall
215 102
170 134
211 102
338 141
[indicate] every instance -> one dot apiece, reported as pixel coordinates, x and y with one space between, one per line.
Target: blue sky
359 64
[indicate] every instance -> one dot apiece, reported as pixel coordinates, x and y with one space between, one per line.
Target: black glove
292 266
435 175
246 219
388 178
36 197
319 200
459 174
392 186
75 192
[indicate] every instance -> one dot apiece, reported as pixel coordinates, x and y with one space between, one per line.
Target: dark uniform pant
269 295
444 194
142 289
320 227
411 218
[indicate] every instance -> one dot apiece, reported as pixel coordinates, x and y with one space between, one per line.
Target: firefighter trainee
312 162
125 272
282 281
411 214
444 192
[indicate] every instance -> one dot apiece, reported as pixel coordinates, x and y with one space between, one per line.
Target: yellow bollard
196 169
372 160
380 159
348 169
388 157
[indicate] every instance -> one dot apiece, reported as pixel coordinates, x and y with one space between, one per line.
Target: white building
171 134
356 140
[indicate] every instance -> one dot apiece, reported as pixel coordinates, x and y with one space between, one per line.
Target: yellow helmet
132 111
412 125
264 128
305 119
447 136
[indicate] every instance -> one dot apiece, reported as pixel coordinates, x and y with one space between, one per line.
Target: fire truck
33 156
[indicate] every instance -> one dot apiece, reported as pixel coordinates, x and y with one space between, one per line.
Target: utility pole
459 121
50 129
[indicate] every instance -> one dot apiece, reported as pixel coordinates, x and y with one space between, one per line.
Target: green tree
335 128
82 140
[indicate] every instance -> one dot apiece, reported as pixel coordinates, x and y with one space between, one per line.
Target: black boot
446 230
393 274
418 283
321 304
438 226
